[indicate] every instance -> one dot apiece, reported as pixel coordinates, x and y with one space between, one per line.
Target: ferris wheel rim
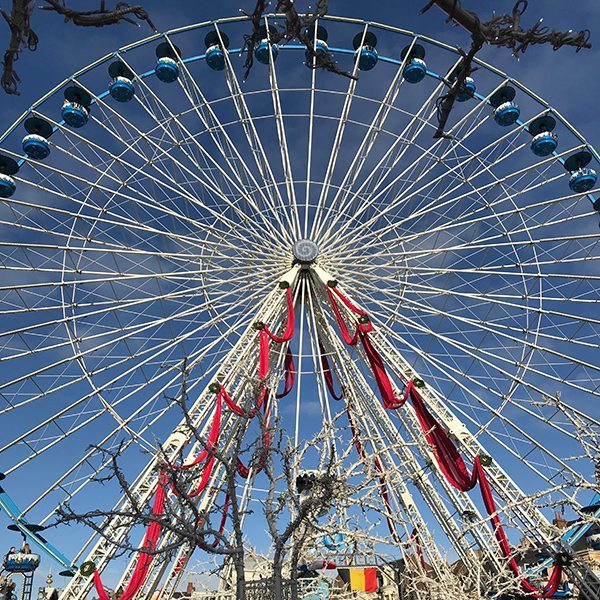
333 18
279 182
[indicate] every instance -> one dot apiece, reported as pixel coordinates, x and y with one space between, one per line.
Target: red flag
371 579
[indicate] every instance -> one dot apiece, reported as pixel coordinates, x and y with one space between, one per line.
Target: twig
502 30
22 35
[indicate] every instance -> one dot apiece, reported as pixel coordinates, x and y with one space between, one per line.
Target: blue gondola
544 142
74 115
8 168
335 542
215 49
121 87
506 112
167 67
20 562
7 186
415 68
266 48
35 143
468 88
32 531
364 44
565 590
36 146
321 47
582 179
467 91
76 108
593 541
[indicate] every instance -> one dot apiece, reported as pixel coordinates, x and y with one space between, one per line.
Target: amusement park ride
427 304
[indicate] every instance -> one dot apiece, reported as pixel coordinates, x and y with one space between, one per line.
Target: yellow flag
357 580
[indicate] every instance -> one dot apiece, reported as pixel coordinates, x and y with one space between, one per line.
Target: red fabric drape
237 409
383 489
446 454
415 536
290 375
213 436
242 469
386 391
140 571
455 471
223 520
288 334
181 563
361 332
490 507
263 354
328 375
357 442
385 496
206 473
350 340
346 301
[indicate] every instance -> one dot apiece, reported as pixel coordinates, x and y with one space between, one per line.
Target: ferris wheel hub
305 251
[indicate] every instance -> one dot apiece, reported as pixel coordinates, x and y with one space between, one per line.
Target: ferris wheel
431 303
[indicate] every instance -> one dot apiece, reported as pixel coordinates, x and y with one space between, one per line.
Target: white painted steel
162 228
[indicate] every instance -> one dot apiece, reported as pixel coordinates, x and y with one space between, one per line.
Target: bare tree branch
503 30
296 27
22 35
101 17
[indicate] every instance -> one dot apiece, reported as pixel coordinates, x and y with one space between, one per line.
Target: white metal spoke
167 221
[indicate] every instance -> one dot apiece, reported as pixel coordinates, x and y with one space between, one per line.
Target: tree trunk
278 575
238 557
294 558
240 576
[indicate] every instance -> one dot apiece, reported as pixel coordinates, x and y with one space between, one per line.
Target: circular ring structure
159 242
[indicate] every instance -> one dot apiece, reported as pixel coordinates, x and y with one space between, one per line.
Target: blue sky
566 79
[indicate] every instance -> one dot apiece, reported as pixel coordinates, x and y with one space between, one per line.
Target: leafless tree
296 521
291 512
501 31
182 518
7 587
23 36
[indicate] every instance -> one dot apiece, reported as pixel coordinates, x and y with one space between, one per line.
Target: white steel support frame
87 236
533 522
174 569
398 445
232 370
359 399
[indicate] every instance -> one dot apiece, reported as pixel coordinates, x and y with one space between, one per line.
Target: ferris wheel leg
404 464
233 370
523 508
